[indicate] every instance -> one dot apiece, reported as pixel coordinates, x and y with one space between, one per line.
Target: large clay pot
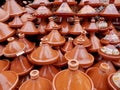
72 79
36 83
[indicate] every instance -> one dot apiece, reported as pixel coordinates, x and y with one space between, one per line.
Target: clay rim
7 65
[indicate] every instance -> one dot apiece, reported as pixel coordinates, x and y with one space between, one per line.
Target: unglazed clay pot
72 79
44 54
4 65
83 39
109 52
114 80
68 45
4 16
8 80
80 53
21 65
55 38
70 2
5 32
13 8
29 46
48 72
36 83
77 28
99 76
42 11
16 23
29 28
87 10
13 48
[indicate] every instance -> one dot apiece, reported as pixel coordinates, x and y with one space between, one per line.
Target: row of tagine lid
102 76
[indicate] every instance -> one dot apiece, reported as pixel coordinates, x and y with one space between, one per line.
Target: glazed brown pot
72 79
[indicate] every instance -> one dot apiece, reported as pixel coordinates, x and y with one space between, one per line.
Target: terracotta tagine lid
99 76
5 32
92 27
95 43
111 38
4 64
29 46
21 65
29 9
16 23
108 12
29 28
1 50
70 2
114 80
13 48
64 10
48 72
80 53
72 78
109 52
51 24
55 38
42 11
94 3
4 16
77 28
61 61
36 82
84 40
102 24
87 10
44 54
36 3
68 45
13 8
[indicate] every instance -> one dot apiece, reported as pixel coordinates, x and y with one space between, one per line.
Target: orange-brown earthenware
70 2
1 50
3 15
4 64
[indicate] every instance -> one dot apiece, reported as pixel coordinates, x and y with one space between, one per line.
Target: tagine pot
72 78
4 64
99 76
36 82
113 80
8 80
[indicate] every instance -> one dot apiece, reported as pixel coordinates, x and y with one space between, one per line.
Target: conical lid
36 82
13 48
29 46
16 23
108 12
92 27
87 10
42 11
83 38
44 54
36 3
99 76
109 52
77 28
72 78
8 80
95 43
48 72
3 15
29 28
4 64
68 45
20 65
70 2
13 8
1 50
55 38
80 53
64 10
5 31
51 24
91 2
